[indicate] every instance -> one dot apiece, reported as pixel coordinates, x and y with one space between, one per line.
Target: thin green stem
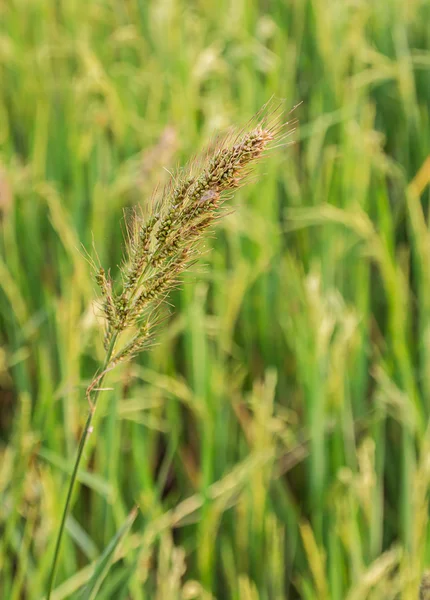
82 441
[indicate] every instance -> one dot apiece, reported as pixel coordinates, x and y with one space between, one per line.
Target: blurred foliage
275 439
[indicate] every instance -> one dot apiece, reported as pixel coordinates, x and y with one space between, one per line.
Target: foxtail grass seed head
161 247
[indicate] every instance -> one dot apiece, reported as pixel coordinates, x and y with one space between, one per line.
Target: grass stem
82 441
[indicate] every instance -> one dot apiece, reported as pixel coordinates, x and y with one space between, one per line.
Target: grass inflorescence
162 245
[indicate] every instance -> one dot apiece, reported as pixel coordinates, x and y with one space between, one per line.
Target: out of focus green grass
275 439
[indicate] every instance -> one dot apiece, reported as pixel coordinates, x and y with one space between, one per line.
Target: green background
275 437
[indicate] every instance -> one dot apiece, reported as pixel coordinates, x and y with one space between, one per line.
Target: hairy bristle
162 246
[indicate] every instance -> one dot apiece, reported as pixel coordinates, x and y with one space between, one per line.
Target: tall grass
275 440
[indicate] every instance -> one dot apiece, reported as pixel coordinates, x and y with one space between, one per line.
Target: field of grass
275 439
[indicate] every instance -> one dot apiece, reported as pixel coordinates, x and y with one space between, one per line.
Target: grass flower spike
161 247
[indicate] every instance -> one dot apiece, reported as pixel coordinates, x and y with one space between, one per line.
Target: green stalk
81 446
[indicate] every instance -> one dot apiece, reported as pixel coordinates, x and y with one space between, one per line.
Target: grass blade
103 564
